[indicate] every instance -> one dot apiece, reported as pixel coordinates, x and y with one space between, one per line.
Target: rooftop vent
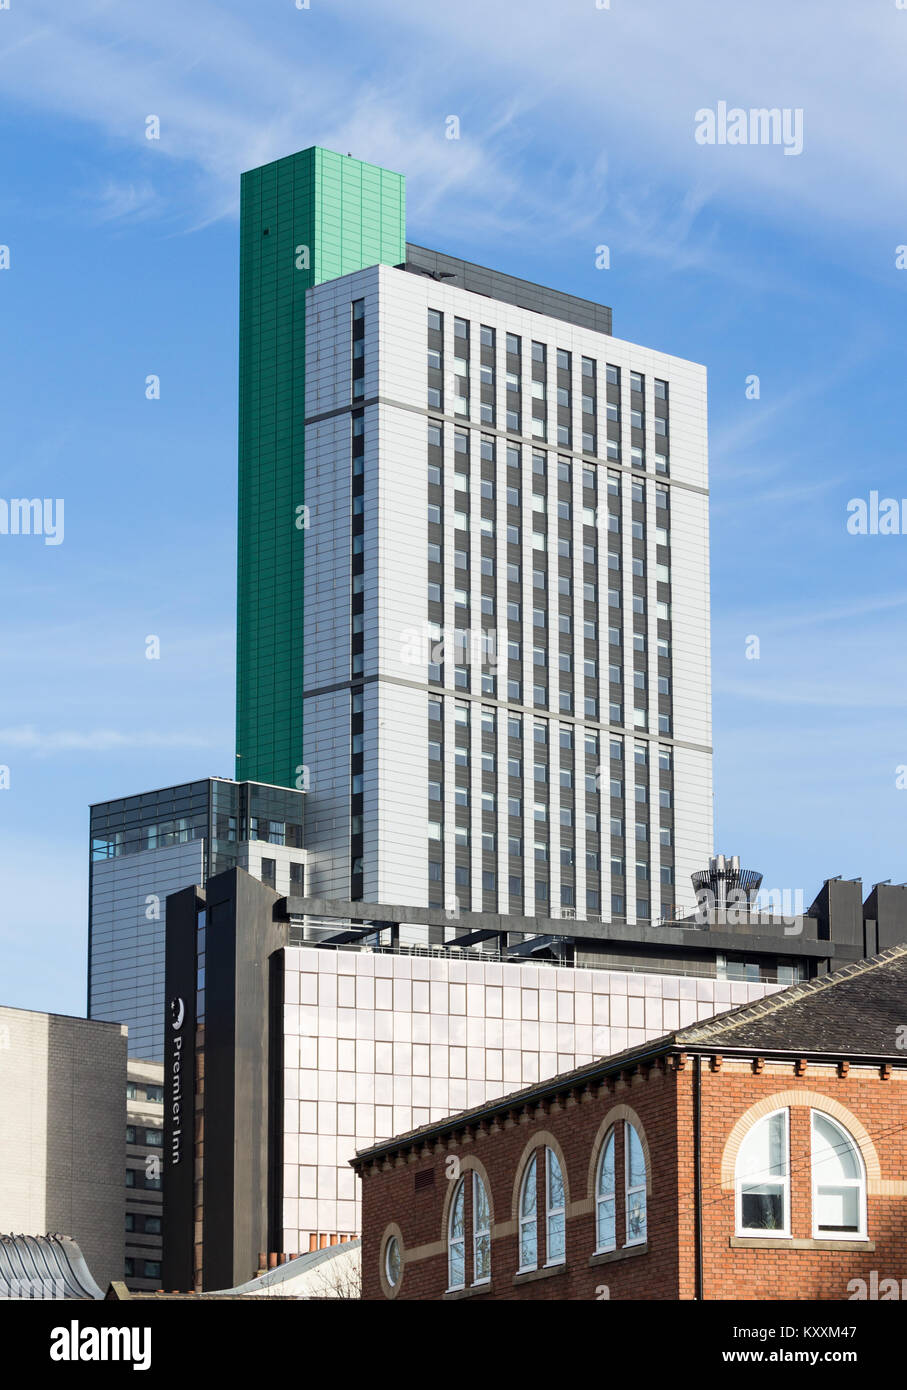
725 877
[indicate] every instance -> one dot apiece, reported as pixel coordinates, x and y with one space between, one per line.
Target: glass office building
146 846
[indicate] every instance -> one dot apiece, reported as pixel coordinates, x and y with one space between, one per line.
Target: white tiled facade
377 1044
397 729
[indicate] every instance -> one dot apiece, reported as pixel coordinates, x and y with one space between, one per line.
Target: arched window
762 1178
838 1182
605 1202
635 1186
456 1238
554 1209
481 1232
529 1218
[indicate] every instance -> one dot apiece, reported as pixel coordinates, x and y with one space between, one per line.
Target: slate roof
853 1012
42 1267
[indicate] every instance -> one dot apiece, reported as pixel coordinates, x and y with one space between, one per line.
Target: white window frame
553 1211
459 1194
533 1219
477 1230
391 1244
756 1233
859 1183
601 1199
642 1187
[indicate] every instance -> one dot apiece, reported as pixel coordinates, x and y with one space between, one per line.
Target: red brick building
759 1155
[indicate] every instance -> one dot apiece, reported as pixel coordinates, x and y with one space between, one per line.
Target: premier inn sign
177 1020
179 1026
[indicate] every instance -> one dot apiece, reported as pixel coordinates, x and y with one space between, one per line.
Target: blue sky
577 129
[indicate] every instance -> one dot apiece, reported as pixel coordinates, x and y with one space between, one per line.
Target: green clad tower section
308 218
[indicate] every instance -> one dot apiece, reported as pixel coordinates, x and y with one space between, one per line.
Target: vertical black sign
179 1089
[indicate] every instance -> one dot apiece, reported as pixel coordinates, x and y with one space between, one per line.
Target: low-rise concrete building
62 1138
302 1030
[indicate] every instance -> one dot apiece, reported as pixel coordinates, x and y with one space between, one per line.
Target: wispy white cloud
618 89
757 419
644 70
837 613
27 738
843 695
128 202
785 494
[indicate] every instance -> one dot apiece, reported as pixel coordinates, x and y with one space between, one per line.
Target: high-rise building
473 569
473 608
473 626
146 846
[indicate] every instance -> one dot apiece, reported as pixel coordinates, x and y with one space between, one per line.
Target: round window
393 1262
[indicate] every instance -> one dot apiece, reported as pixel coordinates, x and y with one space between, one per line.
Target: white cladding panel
375 1045
395 546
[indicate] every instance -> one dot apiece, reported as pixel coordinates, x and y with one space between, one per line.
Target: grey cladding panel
509 289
